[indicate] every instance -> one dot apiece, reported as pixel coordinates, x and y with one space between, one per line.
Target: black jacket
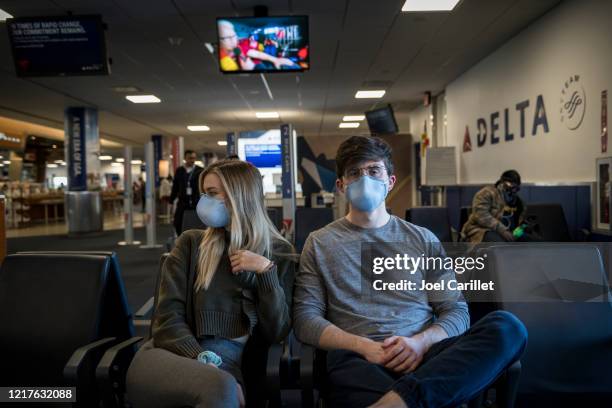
179 187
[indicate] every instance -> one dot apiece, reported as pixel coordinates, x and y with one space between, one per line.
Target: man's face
228 39
372 168
190 159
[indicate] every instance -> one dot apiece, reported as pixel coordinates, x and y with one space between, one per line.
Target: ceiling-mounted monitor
263 44
64 45
382 121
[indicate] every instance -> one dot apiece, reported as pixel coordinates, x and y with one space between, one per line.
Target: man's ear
339 185
392 180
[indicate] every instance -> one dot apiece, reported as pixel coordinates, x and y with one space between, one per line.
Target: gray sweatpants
158 378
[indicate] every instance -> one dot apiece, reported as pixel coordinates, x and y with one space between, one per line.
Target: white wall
573 39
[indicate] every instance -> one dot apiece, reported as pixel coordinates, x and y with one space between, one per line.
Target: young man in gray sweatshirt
391 348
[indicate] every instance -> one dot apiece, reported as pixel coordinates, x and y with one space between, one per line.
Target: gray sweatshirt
332 288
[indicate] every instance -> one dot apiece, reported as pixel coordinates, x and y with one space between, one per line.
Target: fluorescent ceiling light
136 161
209 47
199 163
266 115
115 164
51 165
353 118
4 15
429 5
222 142
103 157
379 93
7 162
143 98
198 128
349 125
119 160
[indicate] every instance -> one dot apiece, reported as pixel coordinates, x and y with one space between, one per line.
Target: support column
128 198
83 200
150 218
288 178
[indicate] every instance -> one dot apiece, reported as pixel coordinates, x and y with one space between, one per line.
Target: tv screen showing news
382 121
263 44
52 46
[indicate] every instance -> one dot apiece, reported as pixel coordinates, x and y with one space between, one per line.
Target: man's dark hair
357 149
510 175
187 152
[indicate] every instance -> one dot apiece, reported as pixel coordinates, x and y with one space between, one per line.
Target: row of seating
550 218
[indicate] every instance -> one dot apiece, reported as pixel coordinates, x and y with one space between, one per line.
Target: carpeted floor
138 266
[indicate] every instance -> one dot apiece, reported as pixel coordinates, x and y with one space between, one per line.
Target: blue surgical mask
212 212
366 193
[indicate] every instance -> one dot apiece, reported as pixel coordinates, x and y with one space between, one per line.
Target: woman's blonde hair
250 227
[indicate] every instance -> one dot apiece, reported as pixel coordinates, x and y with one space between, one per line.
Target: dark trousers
453 371
178 218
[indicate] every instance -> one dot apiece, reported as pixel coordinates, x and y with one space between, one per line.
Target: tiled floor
111 222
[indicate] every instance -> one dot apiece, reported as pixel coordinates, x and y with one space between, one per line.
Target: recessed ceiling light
119 160
4 15
379 93
222 142
58 161
126 89
136 161
106 157
51 165
429 5
198 128
143 98
353 118
115 164
209 47
7 162
199 163
266 115
349 125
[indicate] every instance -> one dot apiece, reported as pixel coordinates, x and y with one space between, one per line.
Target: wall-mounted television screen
263 155
382 121
52 46
263 44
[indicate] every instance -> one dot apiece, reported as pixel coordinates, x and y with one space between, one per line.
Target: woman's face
213 187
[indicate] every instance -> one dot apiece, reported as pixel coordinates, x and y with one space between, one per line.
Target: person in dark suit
186 188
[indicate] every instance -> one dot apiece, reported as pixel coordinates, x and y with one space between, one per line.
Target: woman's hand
244 260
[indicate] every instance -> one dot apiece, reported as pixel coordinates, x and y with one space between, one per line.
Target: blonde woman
217 286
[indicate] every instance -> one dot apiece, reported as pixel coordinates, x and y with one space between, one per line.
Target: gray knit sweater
232 306
330 286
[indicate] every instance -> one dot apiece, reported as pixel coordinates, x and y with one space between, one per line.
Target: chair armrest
77 363
507 385
273 371
112 370
307 374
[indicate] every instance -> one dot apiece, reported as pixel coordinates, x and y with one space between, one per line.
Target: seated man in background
390 348
496 211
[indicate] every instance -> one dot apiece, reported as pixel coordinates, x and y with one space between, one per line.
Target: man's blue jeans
452 372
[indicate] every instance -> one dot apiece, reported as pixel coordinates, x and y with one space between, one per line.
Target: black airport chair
308 220
58 314
191 221
261 366
276 216
562 295
434 219
551 221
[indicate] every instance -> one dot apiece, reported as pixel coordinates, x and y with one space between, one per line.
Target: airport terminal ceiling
158 47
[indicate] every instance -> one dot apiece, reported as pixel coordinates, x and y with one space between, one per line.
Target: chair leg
507 386
477 401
